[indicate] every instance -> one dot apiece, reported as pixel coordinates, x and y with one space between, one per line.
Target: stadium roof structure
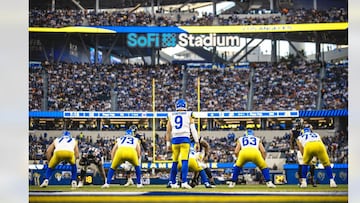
114 4
116 42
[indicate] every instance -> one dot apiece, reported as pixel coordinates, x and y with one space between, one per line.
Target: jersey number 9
178 122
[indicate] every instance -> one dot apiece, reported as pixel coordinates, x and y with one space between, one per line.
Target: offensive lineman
127 166
63 148
202 156
294 134
310 145
250 148
126 148
196 167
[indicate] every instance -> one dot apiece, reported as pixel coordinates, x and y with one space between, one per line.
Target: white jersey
249 141
128 141
180 123
308 137
64 143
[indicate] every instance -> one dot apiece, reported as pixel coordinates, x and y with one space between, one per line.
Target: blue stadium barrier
340 172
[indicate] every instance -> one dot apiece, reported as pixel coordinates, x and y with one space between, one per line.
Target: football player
127 166
202 156
126 148
311 145
294 134
91 155
179 126
250 149
196 167
63 148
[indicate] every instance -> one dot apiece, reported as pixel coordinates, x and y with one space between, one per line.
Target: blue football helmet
180 104
249 132
134 128
129 132
66 134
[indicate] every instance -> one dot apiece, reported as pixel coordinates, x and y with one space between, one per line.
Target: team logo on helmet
66 134
133 128
129 132
180 104
249 132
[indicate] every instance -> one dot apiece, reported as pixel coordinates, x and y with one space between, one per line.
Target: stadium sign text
157 40
208 41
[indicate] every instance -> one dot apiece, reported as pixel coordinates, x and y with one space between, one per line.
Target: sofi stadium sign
157 40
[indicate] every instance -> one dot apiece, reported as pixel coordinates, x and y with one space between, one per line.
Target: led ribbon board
203 114
226 29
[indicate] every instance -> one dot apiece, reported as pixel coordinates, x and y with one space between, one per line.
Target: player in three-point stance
127 166
63 148
294 134
310 145
250 148
126 148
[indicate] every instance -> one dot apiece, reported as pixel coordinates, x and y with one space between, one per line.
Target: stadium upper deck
242 6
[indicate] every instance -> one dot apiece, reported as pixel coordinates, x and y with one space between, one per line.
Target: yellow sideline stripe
265 28
186 198
71 29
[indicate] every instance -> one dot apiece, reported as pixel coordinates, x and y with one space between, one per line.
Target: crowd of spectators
334 92
65 17
290 86
128 87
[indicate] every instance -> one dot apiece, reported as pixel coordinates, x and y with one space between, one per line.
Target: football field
159 193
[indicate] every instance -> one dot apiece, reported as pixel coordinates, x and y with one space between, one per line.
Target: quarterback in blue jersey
179 126
250 149
63 148
126 148
311 145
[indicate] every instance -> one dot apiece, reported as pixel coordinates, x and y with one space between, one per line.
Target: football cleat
139 185
129 182
208 185
174 185
232 184
186 186
303 183
81 184
105 186
270 185
73 184
45 183
168 185
332 183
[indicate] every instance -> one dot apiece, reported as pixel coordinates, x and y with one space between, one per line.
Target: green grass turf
200 188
